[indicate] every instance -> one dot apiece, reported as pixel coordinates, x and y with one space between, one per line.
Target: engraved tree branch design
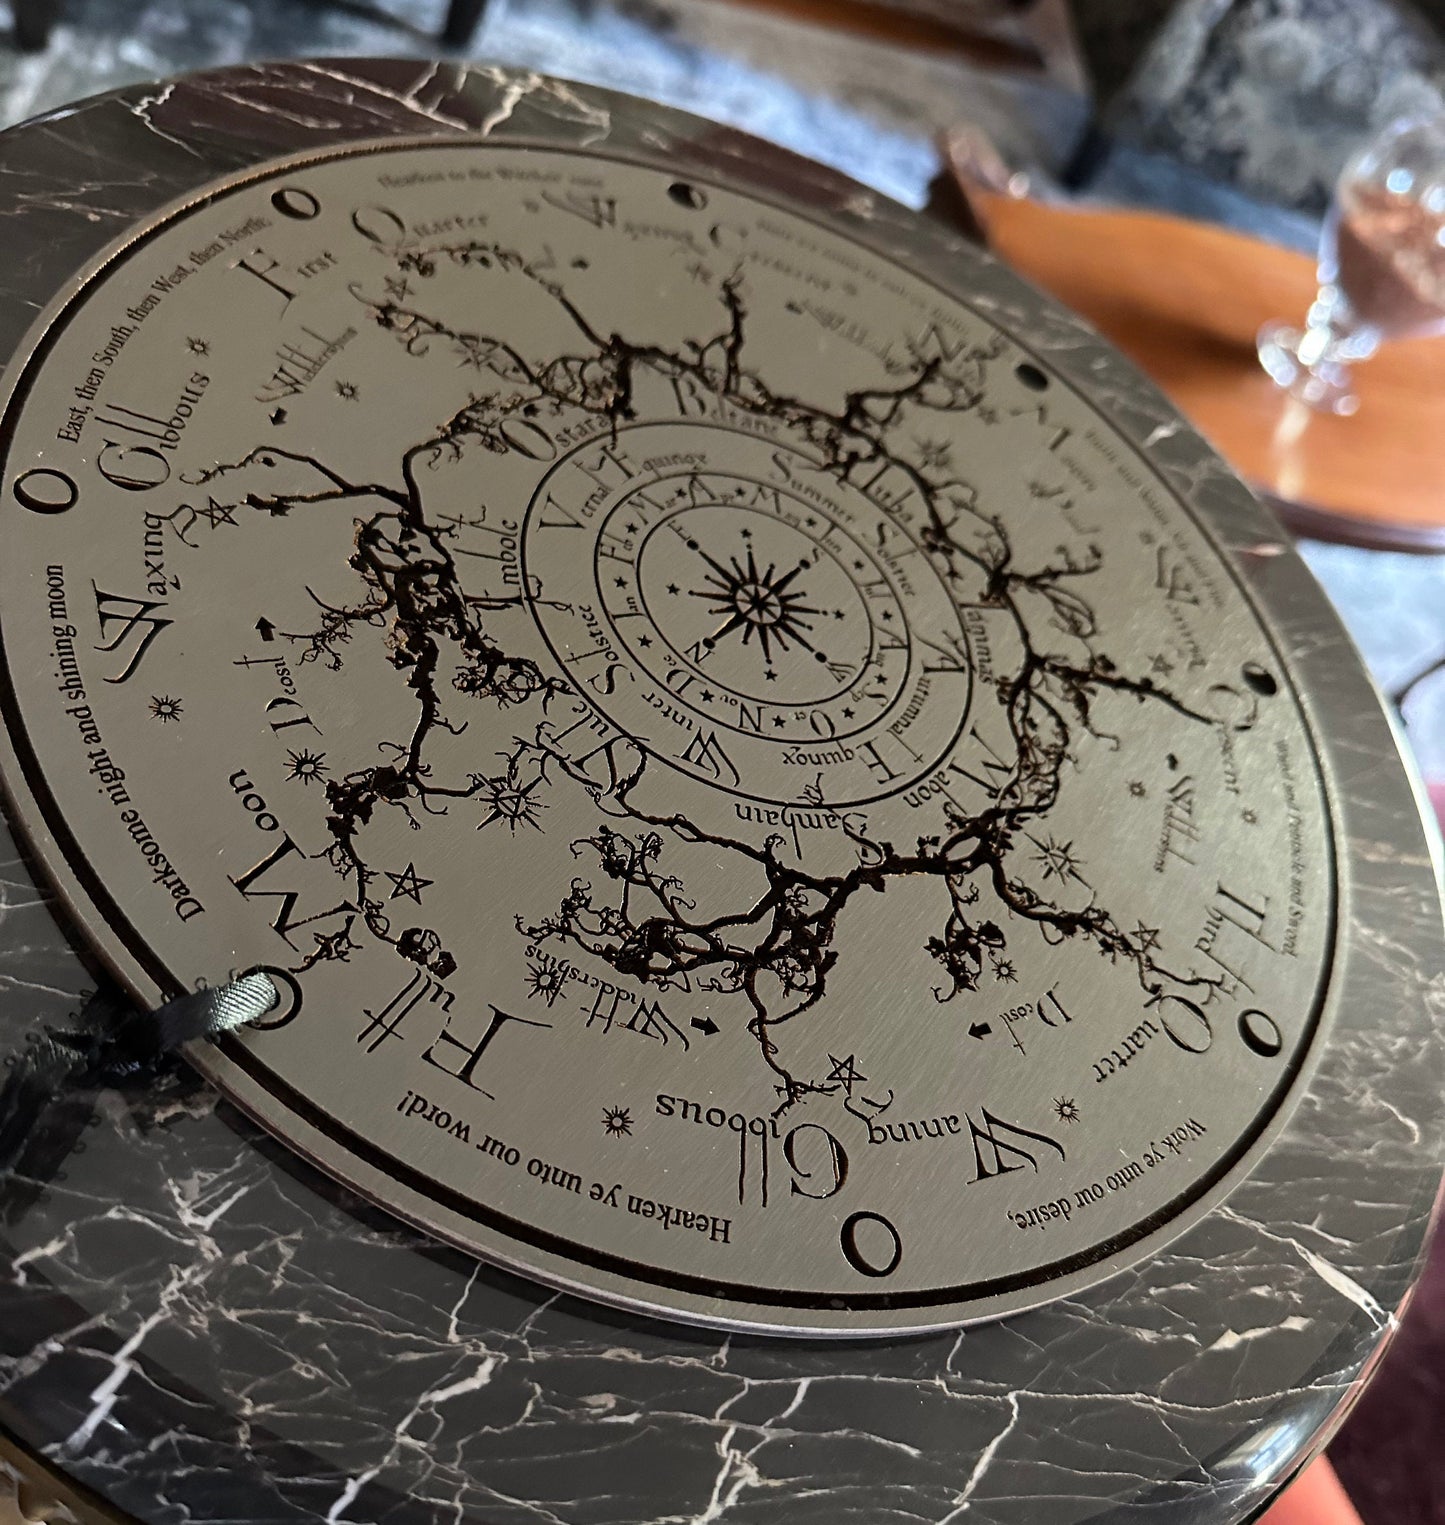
778 950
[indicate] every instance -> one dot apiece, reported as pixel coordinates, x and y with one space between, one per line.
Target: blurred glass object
1381 267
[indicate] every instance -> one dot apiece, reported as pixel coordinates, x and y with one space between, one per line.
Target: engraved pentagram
769 718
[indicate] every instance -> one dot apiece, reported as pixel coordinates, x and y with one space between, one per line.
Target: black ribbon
48 1094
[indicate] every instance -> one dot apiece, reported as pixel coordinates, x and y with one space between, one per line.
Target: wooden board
1184 300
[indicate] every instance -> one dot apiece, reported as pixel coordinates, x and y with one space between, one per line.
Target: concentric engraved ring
743 594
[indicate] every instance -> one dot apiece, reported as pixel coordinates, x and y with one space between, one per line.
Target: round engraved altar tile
763 804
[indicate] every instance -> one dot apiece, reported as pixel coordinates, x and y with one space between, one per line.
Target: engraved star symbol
1137 789
779 722
1004 971
620 581
845 1072
198 346
1057 859
754 601
545 980
847 713
1249 817
348 390
408 883
509 802
616 1121
771 676
216 514
673 588
164 708
1146 937
1066 1110
644 641
307 767
707 696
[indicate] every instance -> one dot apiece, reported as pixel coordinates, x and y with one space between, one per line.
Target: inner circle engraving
742 588
766 595
761 814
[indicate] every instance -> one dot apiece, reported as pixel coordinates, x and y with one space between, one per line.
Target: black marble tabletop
415 1385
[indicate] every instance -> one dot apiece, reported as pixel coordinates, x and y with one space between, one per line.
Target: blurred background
1167 167
1246 109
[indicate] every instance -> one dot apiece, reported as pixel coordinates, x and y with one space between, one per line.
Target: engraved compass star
198 346
1057 859
307 767
408 883
510 802
1065 1109
545 981
616 1122
752 602
164 708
